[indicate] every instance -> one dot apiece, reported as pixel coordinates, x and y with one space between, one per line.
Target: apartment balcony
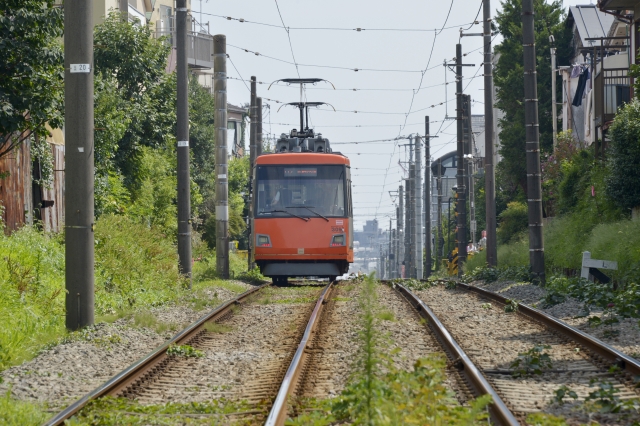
200 45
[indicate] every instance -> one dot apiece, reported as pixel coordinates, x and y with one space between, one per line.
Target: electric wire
327 66
356 29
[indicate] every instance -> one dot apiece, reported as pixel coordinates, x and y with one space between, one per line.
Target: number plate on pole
80 68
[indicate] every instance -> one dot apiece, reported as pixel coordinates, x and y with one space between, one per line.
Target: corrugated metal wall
15 190
53 217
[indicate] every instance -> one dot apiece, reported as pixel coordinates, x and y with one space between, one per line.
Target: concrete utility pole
554 112
400 226
123 5
253 136
390 269
184 181
489 167
410 226
534 190
419 262
78 113
472 200
439 238
461 206
392 251
427 197
259 127
222 182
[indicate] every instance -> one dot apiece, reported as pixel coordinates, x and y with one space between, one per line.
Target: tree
137 62
202 142
510 87
623 157
31 70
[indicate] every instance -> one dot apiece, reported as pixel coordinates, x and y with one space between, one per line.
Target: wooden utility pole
79 178
534 190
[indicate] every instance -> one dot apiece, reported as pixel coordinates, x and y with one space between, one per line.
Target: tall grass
136 268
21 413
567 237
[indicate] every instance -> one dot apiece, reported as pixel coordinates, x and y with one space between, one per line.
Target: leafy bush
513 221
533 361
486 274
623 157
252 276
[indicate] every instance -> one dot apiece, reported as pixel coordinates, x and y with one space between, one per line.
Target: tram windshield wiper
312 211
306 219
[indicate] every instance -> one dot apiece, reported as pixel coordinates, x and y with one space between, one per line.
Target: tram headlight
263 241
338 240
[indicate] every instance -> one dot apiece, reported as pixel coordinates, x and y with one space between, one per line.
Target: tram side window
296 189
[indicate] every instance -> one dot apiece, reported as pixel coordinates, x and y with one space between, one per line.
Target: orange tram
302 212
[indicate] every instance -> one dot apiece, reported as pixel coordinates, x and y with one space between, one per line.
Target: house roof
590 22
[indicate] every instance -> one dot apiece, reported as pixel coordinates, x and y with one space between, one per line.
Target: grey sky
375 165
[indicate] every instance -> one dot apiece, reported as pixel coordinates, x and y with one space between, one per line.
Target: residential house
596 84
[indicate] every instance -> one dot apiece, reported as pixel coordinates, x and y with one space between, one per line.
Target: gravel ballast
61 374
626 336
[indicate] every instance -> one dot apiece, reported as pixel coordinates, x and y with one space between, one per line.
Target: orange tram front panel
302 214
296 239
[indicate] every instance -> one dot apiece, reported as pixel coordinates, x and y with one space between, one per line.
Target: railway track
255 372
473 320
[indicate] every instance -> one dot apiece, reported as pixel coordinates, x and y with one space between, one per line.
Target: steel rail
278 413
611 354
122 379
498 410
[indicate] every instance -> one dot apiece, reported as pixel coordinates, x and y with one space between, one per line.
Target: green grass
21 413
135 270
110 411
566 237
214 327
386 315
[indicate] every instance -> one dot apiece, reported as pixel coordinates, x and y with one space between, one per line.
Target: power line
327 66
356 29
288 37
235 68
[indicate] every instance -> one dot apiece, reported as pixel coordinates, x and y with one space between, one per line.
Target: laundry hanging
582 83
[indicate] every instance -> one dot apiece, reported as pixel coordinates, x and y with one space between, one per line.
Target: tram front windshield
307 191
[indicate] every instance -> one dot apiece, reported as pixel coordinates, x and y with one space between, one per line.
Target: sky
391 62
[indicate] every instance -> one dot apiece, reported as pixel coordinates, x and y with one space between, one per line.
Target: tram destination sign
300 172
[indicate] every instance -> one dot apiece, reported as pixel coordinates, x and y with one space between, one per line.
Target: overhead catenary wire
356 69
355 29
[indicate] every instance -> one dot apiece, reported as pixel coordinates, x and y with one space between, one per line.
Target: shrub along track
247 344
494 339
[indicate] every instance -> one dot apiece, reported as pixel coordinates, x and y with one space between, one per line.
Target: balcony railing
200 45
